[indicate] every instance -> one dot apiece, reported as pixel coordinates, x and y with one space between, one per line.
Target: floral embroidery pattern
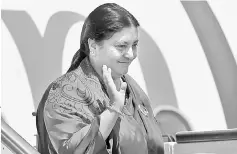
78 95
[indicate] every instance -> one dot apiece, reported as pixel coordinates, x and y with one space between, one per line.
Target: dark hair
101 24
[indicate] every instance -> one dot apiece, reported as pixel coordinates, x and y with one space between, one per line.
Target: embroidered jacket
68 118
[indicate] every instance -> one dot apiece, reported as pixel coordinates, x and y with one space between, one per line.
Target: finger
104 72
109 72
108 78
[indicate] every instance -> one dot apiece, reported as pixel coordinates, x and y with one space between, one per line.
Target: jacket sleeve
70 123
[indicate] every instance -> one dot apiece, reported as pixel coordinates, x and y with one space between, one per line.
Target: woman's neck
117 84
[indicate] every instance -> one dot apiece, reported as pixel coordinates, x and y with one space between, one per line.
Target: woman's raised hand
116 96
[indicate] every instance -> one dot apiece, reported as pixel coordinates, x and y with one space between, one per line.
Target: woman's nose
130 54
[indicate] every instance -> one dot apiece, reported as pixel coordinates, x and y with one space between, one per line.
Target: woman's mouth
123 62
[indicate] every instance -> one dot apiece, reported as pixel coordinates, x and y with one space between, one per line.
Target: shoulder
67 100
70 78
60 96
68 87
68 96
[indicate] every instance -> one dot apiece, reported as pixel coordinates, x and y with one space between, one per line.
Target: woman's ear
92 46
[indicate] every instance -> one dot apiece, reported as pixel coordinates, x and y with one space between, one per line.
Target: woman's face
118 51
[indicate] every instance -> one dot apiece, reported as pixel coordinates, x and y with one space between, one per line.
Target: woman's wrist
116 108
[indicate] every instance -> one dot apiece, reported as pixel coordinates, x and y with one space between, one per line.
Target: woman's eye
121 46
134 45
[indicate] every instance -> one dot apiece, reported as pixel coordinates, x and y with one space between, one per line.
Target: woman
95 107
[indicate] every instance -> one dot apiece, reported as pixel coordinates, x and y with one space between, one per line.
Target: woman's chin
119 74
124 71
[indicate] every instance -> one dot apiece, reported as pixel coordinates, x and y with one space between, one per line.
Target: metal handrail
11 139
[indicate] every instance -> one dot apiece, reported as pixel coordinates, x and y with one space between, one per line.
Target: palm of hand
117 97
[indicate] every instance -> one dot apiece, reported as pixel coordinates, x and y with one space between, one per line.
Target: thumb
123 87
